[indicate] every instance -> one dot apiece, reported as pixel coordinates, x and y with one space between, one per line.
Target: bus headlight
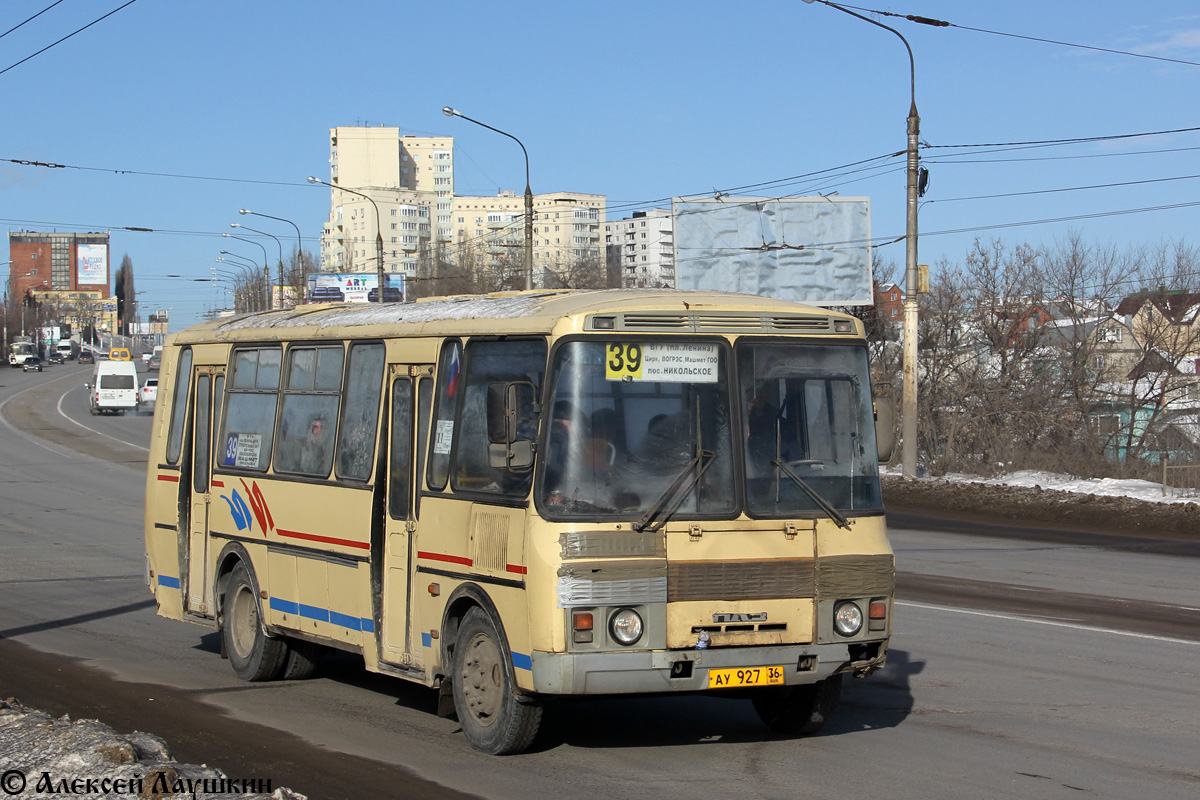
847 618
625 626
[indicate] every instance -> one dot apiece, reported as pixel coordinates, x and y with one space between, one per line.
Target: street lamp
908 423
299 243
378 228
276 238
249 276
453 112
257 244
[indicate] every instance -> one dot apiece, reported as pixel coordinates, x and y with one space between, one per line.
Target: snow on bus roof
455 308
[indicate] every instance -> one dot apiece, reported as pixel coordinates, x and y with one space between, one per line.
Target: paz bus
525 495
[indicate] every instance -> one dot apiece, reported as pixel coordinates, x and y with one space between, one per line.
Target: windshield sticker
443 437
243 449
664 363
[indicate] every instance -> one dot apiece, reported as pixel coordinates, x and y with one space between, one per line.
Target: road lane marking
53 448
1051 623
63 414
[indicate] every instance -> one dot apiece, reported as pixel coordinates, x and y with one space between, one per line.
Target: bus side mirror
511 425
885 428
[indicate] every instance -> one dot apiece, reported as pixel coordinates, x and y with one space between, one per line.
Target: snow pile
1100 487
41 756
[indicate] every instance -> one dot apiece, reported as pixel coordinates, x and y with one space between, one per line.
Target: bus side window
360 413
183 380
488 363
447 404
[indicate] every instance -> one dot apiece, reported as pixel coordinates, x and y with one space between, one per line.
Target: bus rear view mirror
511 414
885 428
516 457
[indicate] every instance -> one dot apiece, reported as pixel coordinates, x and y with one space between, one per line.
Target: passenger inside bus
313 453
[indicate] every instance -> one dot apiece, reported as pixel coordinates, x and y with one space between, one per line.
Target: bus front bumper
649 671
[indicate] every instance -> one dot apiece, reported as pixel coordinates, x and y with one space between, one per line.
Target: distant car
32 363
153 364
146 356
148 394
391 294
54 357
86 357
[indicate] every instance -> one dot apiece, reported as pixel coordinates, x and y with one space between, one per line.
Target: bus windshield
628 432
808 428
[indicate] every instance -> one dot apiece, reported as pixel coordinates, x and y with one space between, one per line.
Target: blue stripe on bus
168 581
286 606
313 612
522 661
426 640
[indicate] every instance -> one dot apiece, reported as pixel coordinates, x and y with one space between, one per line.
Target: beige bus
514 496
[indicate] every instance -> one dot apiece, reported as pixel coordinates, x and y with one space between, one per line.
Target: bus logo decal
240 512
259 504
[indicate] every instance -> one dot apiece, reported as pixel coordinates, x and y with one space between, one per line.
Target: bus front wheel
798 710
494 718
253 655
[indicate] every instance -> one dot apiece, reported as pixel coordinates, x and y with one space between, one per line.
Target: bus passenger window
360 415
248 434
310 410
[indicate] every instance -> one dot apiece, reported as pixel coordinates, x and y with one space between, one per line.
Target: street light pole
276 238
908 407
378 229
299 244
453 112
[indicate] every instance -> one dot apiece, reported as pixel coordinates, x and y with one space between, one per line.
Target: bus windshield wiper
833 513
669 501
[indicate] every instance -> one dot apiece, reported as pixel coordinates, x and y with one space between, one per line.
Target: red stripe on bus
466 562
171 478
516 568
219 484
311 537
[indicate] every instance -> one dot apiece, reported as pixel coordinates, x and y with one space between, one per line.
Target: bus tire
798 710
494 718
302 658
253 655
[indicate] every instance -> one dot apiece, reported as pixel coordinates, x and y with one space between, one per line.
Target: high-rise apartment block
643 248
411 181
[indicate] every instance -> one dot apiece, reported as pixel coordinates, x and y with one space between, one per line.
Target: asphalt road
1023 664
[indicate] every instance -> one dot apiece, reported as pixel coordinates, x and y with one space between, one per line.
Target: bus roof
640 310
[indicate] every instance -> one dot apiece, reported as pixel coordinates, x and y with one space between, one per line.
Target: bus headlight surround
626 626
847 618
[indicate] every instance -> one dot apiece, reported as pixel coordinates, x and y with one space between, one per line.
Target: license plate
744 676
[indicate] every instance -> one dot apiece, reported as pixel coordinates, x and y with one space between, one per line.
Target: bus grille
856 576
730 322
740 580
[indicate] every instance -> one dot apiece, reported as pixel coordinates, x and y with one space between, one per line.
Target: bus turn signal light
877 613
583 628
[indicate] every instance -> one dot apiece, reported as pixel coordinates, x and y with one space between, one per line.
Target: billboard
814 250
357 287
91 264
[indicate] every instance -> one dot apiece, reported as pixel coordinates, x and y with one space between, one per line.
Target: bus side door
410 393
206 407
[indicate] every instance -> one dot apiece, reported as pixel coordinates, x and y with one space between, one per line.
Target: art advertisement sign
91 264
358 287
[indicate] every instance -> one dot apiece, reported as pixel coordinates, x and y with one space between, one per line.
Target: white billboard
355 287
814 250
91 265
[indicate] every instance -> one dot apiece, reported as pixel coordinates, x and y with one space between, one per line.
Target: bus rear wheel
253 655
798 710
494 718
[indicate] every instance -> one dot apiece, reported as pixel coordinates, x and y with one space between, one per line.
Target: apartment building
58 262
643 246
408 183
411 181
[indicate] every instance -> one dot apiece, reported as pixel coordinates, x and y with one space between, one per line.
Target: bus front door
410 392
206 405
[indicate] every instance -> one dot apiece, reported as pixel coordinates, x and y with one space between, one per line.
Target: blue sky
636 101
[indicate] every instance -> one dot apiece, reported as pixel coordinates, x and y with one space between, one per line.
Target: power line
31 19
1066 189
68 36
937 23
1076 140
